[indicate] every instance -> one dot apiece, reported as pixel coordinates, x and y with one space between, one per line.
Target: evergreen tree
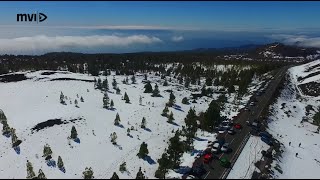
74 133
106 100
143 152
165 83
148 88
185 100
143 123
140 175
118 90
105 85
172 99
99 84
41 175
81 99
231 89
47 151
114 83
170 118
165 111
187 82
209 81
164 166
216 82
140 100
62 98
5 128
133 79
114 176
145 77
113 137
88 173
126 97
175 150
124 81
128 132
204 90
60 163
117 120
95 83
30 172
156 91
123 167
14 138
212 117
111 104
76 102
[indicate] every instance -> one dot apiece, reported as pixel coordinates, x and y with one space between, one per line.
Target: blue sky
157 26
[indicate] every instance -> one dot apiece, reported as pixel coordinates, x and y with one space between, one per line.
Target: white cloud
300 40
42 43
177 38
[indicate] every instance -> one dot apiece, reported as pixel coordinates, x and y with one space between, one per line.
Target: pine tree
133 79
140 100
171 100
124 81
145 77
5 128
165 83
185 100
113 137
143 151
30 172
41 175
111 104
156 91
127 80
143 123
47 151
164 166
106 100
140 175
170 118
118 90
114 83
62 98
76 102
212 117
187 82
14 138
99 84
105 85
204 90
117 120
95 83
81 99
209 81
74 133
88 173
128 132
114 176
165 111
126 97
148 88
60 163
123 167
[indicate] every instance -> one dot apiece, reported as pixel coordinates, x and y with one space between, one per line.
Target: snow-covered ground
29 102
287 126
251 153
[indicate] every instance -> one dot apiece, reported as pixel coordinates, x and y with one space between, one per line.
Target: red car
207 158
237 126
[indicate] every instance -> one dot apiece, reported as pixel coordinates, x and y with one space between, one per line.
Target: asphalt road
239 139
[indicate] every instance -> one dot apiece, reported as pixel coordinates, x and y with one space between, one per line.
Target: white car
221 130
191 177
225 147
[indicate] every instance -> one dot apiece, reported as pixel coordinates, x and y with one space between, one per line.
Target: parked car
207 158
191 177
237 126
231 131
225 147
252 104
221 130
224 162
198 171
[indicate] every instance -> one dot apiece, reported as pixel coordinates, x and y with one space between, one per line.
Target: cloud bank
43 43
177 38
301 40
